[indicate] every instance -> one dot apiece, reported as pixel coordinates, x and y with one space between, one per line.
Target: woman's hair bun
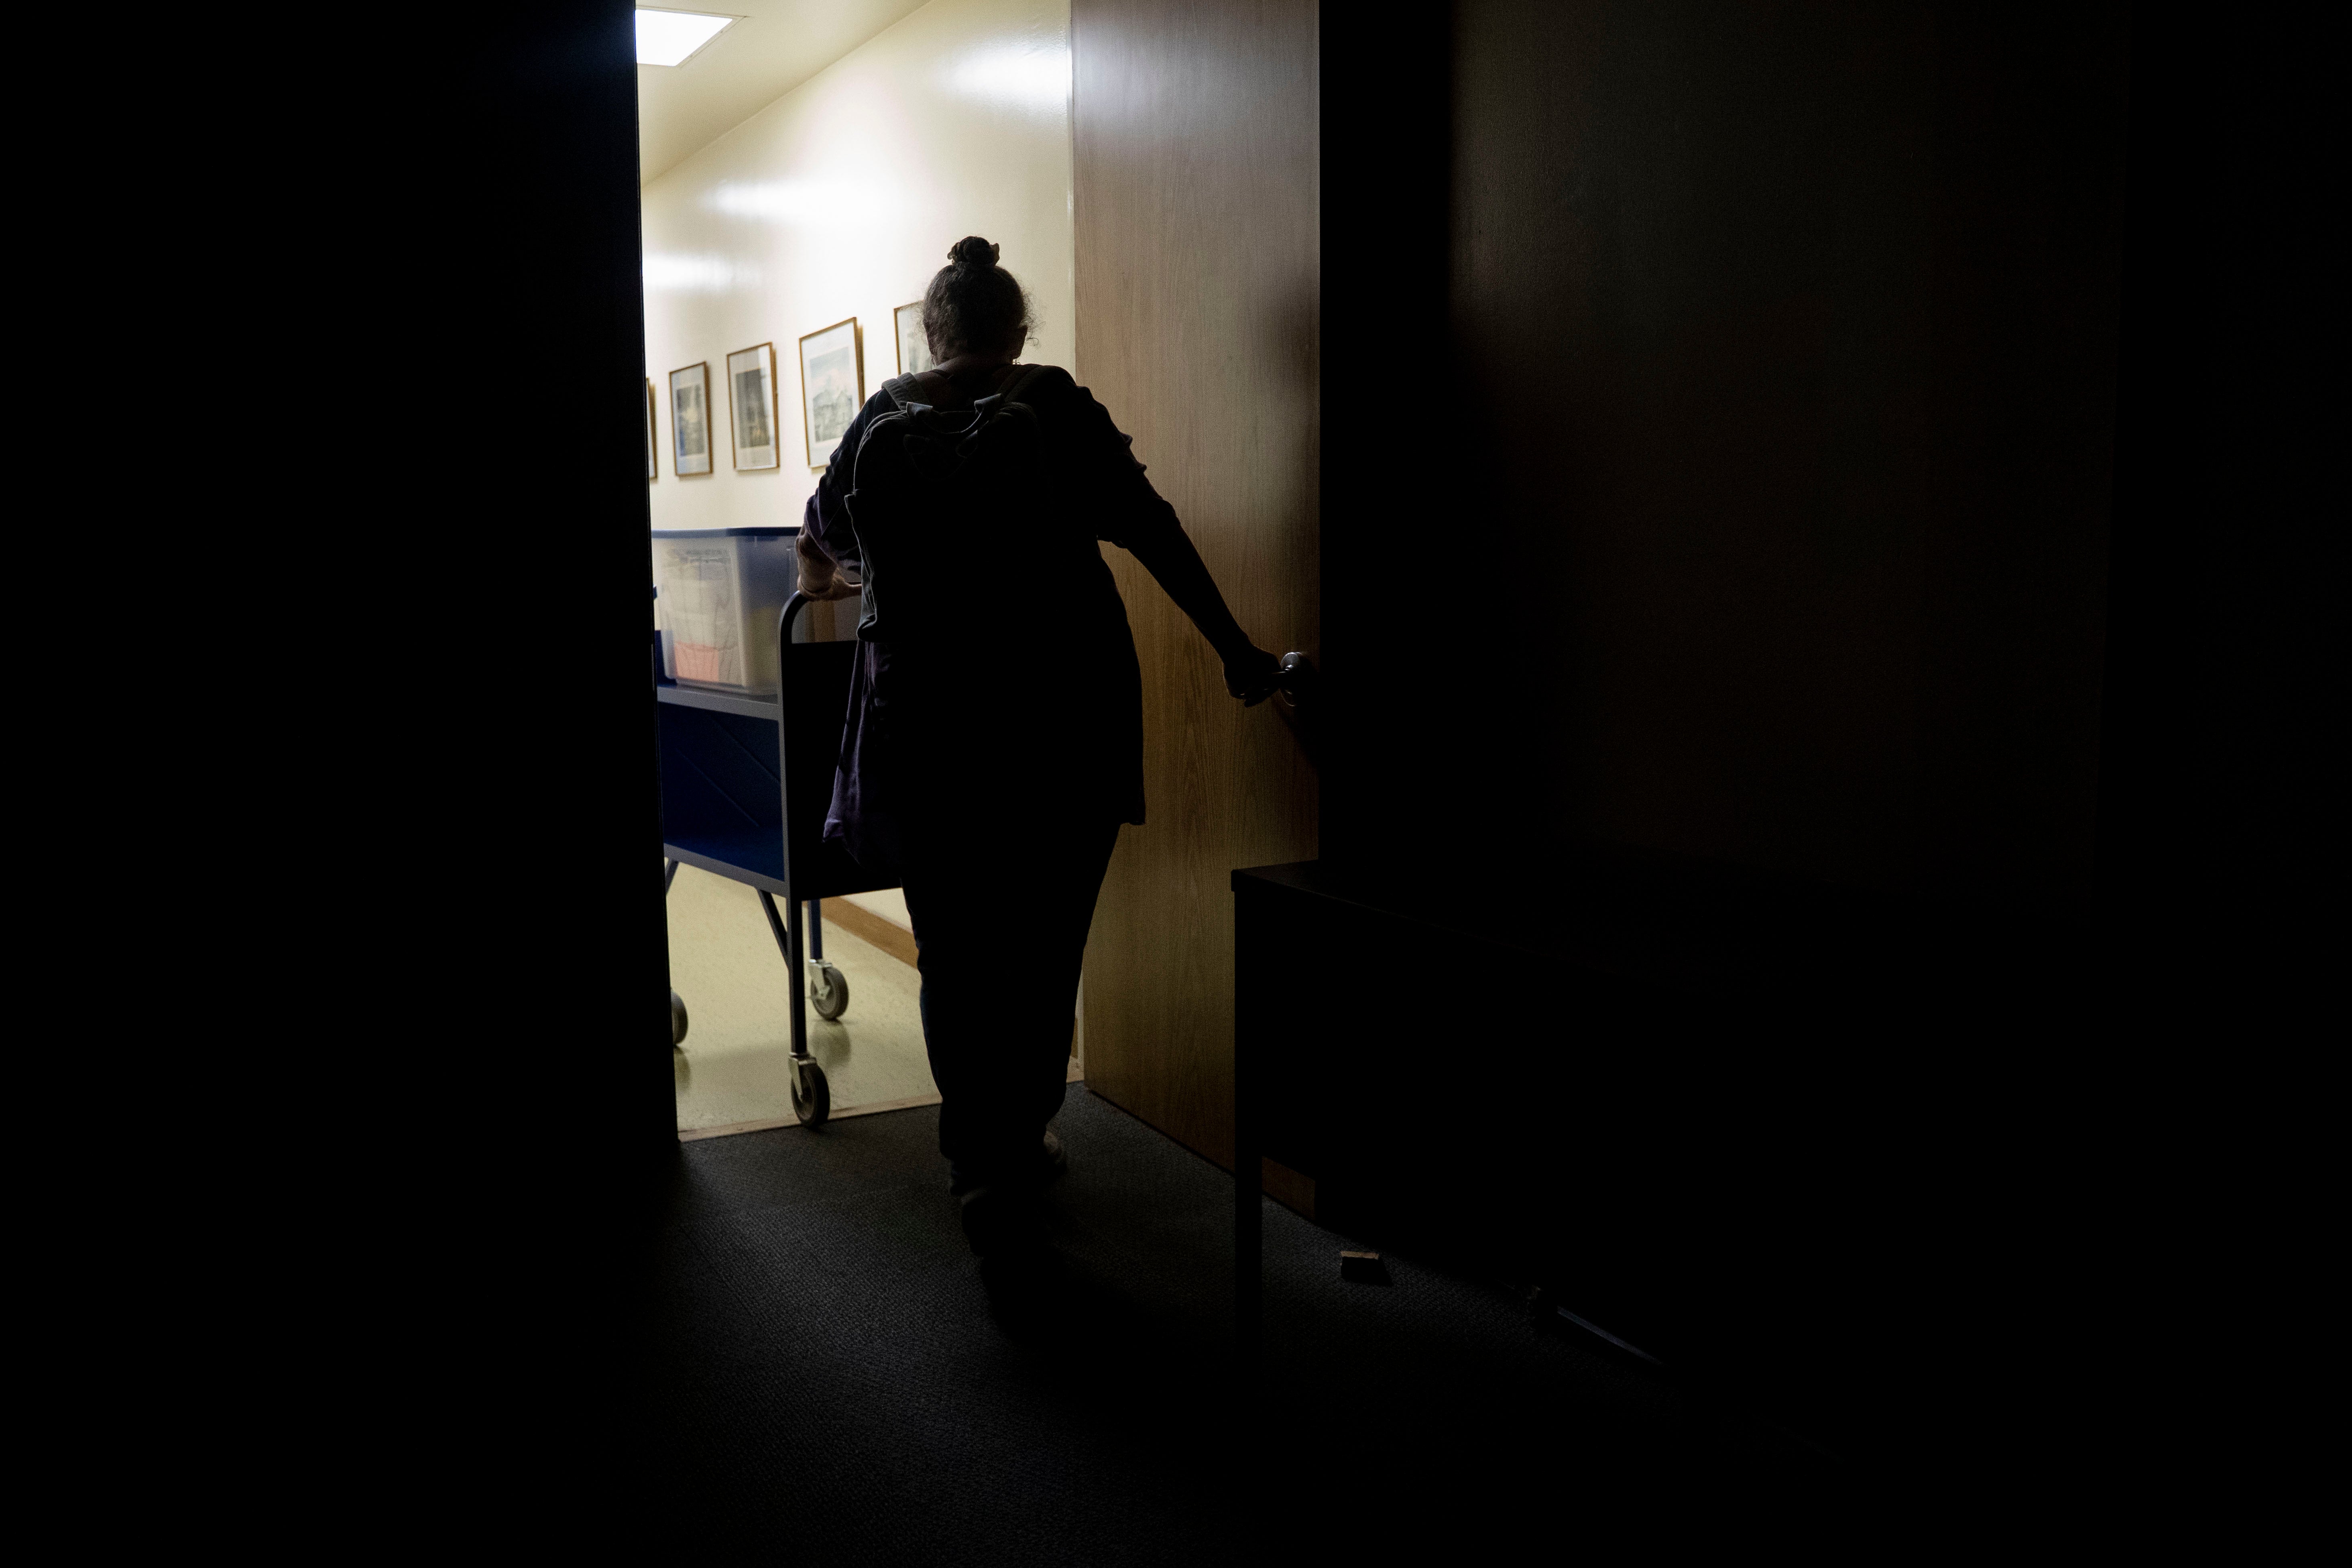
975 304
973 251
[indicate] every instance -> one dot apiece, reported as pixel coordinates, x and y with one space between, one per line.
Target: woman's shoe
1003 1221
1050 1162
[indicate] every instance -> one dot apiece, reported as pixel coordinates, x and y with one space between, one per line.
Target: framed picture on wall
752 400
690 420
652 443
914 349
832 386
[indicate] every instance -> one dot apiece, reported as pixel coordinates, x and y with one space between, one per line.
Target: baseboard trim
690 1135
1289 1188
872 929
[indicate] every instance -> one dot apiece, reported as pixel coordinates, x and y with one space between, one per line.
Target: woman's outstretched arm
1139 518
1169 554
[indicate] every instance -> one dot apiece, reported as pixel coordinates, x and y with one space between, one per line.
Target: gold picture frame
914 349
689 419
752 437
652 436
832 386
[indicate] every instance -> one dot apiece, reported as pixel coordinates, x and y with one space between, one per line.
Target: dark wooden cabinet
1777 1136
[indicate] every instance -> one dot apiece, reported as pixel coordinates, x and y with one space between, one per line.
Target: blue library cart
746 779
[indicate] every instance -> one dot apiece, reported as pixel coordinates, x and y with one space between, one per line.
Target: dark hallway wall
2214 791
1891 446
1783 392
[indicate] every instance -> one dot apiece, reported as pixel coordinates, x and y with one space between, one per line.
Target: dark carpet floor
830 1382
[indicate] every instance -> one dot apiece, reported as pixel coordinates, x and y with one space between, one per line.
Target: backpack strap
1020 384
906 390
903 391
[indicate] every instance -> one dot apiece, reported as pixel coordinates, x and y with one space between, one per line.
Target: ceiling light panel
672 37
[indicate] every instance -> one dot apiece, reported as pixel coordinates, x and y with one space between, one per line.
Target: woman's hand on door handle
1253 675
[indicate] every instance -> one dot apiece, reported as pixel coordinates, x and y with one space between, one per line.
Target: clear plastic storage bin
721 590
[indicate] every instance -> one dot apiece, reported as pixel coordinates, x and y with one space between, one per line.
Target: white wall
841 199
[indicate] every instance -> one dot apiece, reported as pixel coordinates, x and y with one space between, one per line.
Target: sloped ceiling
777 46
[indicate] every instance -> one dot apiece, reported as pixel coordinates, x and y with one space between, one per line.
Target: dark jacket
1036 708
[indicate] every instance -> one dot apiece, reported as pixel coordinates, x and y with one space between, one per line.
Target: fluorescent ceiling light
671 37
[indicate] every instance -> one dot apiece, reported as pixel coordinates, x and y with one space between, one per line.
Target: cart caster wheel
828 989
676 1020
812 1097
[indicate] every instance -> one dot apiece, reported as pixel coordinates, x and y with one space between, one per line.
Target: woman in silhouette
995 740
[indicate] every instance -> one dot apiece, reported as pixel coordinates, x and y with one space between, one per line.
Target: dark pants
1000 933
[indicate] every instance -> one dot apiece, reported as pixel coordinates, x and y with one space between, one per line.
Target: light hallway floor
733 1068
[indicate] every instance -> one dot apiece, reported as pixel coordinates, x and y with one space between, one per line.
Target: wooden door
1196 220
